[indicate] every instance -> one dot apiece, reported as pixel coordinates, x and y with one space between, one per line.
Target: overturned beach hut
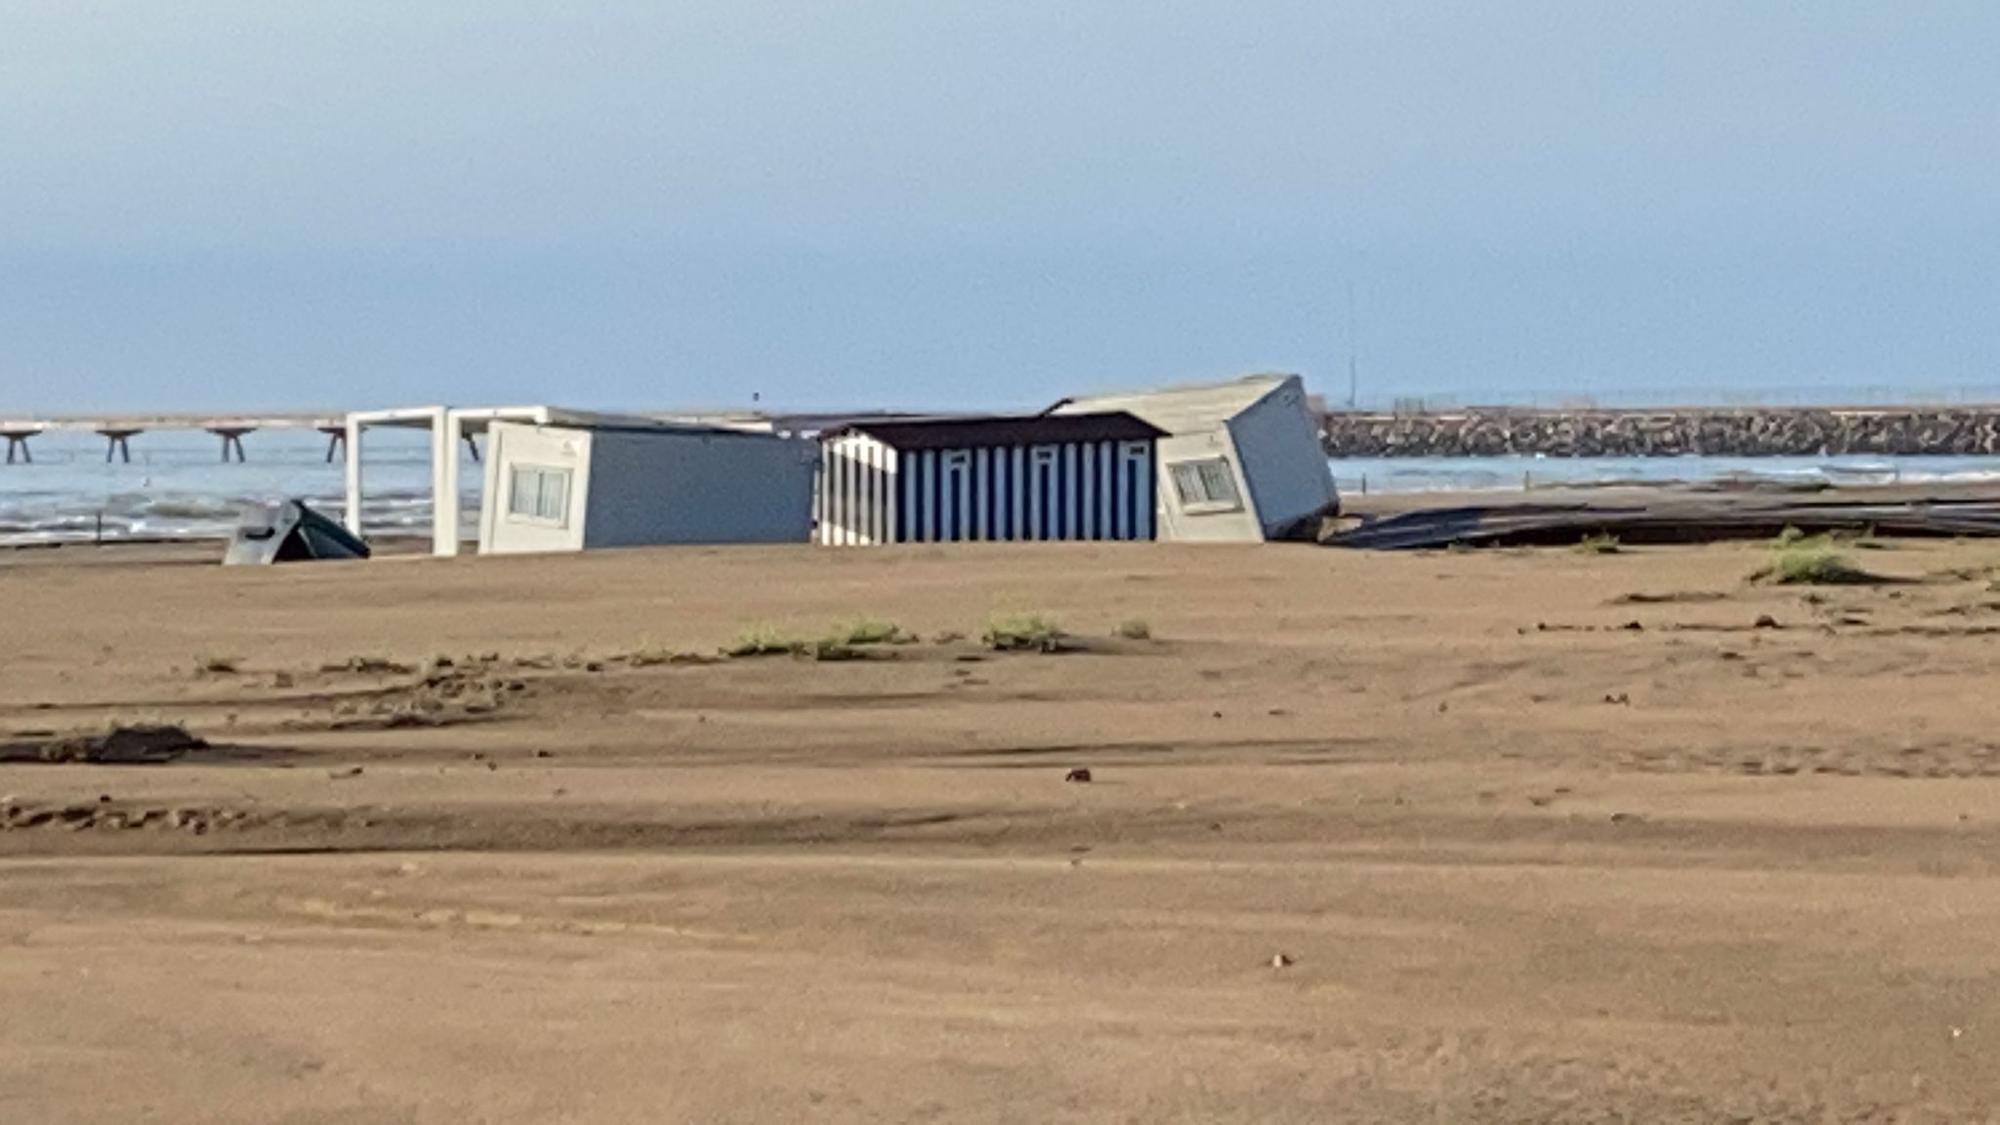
582 485
1241 460
987 478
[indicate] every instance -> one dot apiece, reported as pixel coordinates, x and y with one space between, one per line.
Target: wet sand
1504 835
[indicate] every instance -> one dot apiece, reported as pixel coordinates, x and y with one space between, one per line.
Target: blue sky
236 204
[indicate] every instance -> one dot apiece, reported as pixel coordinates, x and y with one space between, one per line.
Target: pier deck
118 430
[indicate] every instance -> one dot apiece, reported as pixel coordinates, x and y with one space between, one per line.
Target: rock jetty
1736 432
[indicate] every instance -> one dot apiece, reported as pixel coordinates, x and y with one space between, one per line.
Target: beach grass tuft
763 640
1134 630
868 631
1601 543
1814 566
649 655
1021 632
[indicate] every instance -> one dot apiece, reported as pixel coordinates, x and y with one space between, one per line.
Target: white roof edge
1269 380
1177 408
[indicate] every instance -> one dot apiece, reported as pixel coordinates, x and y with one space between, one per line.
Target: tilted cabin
572 487
1241 460
988 478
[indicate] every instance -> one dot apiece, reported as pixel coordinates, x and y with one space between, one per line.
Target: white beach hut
1240 460
581 485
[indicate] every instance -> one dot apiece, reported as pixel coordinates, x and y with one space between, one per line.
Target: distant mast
1353 360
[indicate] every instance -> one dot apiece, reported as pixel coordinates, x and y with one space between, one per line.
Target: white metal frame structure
449 428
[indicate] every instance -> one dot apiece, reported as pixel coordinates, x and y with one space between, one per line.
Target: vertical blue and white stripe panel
857 501
871 493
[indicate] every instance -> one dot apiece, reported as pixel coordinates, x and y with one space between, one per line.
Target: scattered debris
118 746
1282 960
289 532
1670 520
1677 597
1766 621
1078 775
369 666
351 771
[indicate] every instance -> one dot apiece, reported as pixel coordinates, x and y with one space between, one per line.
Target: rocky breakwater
1742 432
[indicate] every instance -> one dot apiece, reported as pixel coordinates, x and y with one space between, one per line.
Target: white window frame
1209 501
544 476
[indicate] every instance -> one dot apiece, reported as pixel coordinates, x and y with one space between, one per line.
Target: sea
176 486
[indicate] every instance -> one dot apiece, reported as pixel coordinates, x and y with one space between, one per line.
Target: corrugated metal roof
975 431
1192 408
631 424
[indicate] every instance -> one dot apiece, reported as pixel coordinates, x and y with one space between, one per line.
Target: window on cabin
538 494
1206 485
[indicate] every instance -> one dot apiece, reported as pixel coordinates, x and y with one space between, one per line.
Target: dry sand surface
1435 837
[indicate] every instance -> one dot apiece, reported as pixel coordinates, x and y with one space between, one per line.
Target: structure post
20 442
232 440
352 440
446 431
118 444
336 438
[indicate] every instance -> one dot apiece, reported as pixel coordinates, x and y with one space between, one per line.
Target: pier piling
118 444
232 440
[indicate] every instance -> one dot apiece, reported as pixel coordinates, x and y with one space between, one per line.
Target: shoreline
193 550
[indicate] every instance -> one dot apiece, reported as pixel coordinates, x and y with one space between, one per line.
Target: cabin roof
1193 408
968 431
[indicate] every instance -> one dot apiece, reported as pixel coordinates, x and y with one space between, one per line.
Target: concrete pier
1666 432
119 430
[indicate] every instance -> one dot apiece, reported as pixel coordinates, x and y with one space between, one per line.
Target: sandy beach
1507 835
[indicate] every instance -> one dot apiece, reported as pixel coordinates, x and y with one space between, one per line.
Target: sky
936 204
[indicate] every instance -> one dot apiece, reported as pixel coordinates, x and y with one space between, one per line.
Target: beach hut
1241 461
581 485
987 478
